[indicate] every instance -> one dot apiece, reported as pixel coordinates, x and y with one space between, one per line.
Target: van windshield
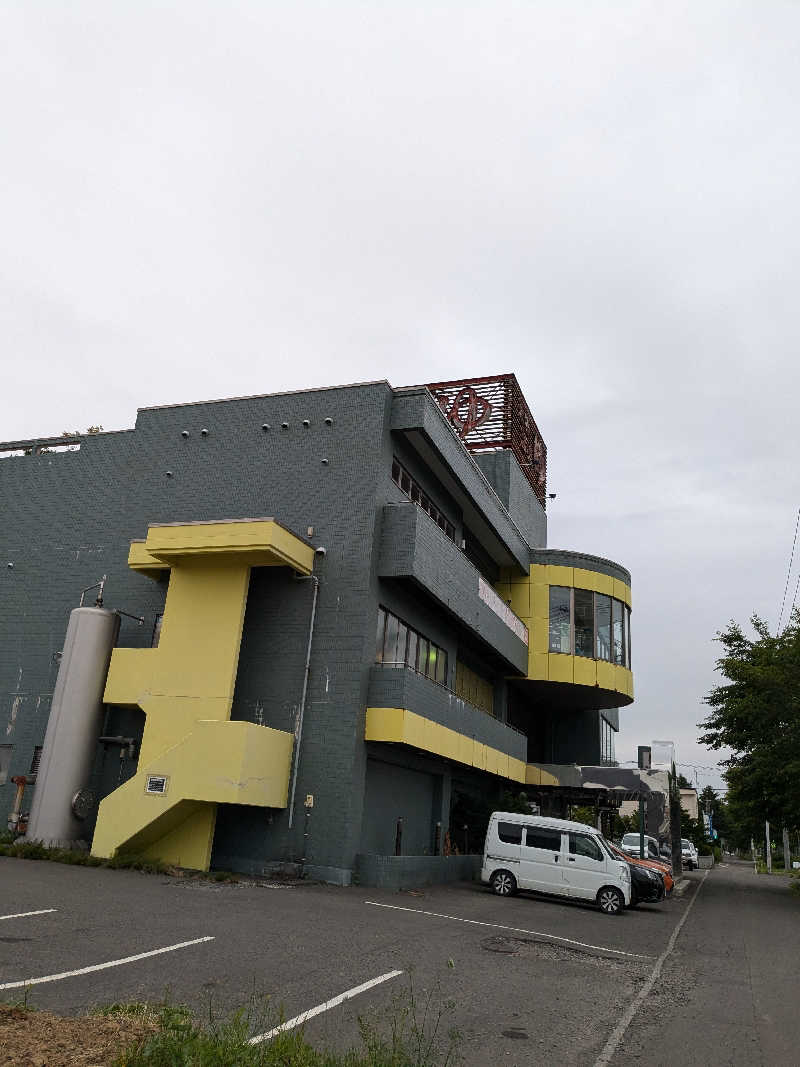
606 848
630 839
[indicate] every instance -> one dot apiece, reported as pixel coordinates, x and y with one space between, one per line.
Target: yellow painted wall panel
190 843
585 671
605 675
521 599
540 602
620 590
559 667
537 666
559 575
539 574
539 635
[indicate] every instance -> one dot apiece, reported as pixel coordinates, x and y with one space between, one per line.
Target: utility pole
645 760
787 851
769 850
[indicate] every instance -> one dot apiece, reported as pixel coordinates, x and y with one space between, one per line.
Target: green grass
33 850
410 1035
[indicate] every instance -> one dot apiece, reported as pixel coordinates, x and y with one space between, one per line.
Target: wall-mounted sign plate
157 783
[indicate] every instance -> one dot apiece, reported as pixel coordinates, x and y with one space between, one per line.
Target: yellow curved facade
529 598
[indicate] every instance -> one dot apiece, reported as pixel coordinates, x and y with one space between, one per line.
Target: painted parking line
512 929
304 1016
25 914
102 966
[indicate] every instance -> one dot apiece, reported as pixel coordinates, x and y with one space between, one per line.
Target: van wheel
503 883
611 901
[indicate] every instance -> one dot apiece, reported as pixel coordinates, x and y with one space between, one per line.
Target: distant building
689 802
354 637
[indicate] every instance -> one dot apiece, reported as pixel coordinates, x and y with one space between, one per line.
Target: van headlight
626 872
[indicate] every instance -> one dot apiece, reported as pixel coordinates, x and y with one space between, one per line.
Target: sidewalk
730 992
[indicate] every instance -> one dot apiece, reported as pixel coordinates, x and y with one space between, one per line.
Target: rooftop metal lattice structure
490 414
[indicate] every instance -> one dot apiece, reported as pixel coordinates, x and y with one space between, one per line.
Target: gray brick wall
505 475
415 409
413 546
69 518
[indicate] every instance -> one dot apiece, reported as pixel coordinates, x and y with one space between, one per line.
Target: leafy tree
756 714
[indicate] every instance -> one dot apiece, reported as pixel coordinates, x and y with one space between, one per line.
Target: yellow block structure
185 688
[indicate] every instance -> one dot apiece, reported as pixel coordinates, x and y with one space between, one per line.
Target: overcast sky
206 200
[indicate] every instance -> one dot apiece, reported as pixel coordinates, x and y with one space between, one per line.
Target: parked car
664 869
689 855
630 846
554 856
647 885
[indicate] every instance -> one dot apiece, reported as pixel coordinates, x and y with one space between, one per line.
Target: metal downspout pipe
299 727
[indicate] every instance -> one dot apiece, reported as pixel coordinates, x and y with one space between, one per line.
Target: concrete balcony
413 546
448 726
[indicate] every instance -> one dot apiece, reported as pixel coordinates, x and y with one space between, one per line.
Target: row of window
398 645
584 623
413 491
550 840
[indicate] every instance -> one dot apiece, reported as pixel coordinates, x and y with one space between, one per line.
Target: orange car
662 868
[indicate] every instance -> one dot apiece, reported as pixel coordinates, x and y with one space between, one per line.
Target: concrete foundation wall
406 872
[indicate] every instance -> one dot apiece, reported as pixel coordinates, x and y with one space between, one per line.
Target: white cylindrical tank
76 719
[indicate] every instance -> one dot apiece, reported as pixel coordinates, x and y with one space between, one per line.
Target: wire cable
789 574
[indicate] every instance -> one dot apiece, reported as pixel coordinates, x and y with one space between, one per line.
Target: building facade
354 638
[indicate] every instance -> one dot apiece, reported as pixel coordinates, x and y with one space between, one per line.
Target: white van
568 859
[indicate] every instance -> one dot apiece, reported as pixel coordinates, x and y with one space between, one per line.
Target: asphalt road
525 980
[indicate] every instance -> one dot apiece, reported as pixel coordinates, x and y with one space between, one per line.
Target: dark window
584 623
390 641
628 635
584 845
539 837
602 607
37 759
560 619
397 645
403 479
510 832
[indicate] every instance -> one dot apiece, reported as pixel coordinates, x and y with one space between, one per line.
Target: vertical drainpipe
301 715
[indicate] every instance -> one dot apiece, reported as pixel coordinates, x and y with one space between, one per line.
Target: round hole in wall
184 433
265 426
324 462
329 421
306 423
204 432
169 474
284 425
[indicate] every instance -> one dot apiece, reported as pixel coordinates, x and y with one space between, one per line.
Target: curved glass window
584 623
588 624
602 614
617 632
560 630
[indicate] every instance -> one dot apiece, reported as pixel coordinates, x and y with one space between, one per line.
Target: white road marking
618 1033
304 1016
25 914
102 966
513 929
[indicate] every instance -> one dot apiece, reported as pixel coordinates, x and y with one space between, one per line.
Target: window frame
423 501
422 648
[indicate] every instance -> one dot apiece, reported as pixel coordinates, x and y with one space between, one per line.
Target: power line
789 574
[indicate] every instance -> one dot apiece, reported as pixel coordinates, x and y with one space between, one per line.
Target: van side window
583 845
539 837
510 832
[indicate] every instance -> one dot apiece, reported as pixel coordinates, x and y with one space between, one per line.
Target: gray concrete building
354 643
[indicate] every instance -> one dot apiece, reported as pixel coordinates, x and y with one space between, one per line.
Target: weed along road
706 977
